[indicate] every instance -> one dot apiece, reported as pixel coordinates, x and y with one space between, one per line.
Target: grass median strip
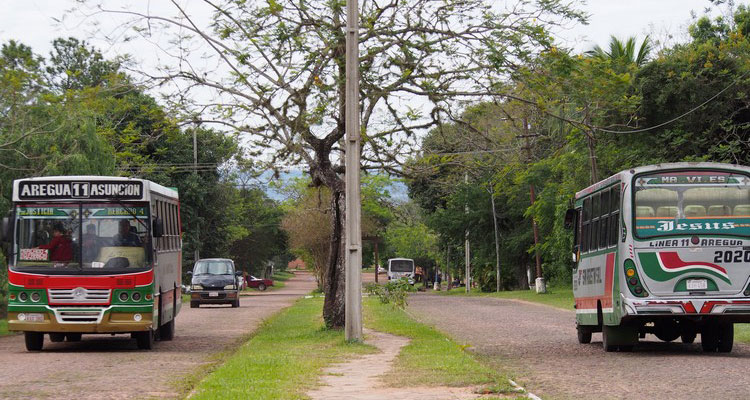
283 359
431 359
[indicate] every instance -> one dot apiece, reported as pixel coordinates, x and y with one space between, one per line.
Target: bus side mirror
157 228
570 218
6 230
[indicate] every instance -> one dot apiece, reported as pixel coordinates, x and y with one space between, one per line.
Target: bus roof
87 187
622 175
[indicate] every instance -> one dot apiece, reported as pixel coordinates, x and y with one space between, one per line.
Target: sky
37 22
33 21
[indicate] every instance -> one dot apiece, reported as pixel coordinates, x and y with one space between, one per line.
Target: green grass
431 359
4 327
283 359
560 297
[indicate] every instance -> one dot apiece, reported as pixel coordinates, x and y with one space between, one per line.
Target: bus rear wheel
584 334
34 340
726 338
709 338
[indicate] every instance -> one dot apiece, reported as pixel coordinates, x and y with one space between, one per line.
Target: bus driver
126 237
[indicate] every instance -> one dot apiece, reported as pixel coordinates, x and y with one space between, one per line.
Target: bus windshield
86 238
692 202
402 266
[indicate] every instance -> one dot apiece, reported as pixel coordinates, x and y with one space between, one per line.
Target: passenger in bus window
90 243
125 237
60 247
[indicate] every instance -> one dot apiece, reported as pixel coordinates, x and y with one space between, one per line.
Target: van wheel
584 334
145 340
34 340
262 287
236 303
56 337
166 331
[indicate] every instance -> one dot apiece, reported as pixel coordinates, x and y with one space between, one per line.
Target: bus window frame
634 179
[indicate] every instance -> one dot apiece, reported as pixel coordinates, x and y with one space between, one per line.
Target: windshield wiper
131 212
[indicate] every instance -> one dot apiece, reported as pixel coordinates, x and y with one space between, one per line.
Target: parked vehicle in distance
214 282
401 267
258 283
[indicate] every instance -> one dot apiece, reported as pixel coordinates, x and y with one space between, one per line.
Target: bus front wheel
34 340
145 339
166 331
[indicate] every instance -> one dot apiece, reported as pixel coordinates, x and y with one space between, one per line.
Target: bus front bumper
92 320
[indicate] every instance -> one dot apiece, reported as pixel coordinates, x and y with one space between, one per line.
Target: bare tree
277 72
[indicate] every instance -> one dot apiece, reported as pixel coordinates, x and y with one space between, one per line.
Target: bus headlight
35 297
123 296
23 296
136 296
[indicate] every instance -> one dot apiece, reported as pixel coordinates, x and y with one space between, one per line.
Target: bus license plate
697 284
213 294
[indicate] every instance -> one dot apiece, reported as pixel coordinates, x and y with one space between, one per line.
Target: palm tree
624 51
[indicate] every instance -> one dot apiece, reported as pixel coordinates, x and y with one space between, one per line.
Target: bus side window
586 225
604 219
594 242
614 216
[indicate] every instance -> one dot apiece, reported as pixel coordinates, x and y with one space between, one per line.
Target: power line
712 98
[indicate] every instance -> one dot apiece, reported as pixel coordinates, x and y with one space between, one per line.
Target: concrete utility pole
197 253
467 248
539 283
497 239
353 257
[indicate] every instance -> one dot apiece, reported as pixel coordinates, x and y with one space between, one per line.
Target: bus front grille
78 316
79 295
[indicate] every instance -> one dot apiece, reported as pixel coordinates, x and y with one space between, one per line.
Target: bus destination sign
61 190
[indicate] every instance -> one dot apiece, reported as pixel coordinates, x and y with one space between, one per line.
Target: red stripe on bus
73 281
587 303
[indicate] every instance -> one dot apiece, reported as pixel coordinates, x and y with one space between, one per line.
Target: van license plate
216 294
697 284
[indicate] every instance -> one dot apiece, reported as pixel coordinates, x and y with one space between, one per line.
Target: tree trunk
333 307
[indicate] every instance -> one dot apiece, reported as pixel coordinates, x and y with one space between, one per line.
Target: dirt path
111 367
358 379
539 343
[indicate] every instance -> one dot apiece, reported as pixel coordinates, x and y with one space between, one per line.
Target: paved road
539 344
108 367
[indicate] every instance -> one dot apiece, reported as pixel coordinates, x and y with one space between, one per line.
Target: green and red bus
93 255
664 250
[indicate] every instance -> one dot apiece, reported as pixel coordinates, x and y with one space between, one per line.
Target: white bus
401 267
93 254
663 250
